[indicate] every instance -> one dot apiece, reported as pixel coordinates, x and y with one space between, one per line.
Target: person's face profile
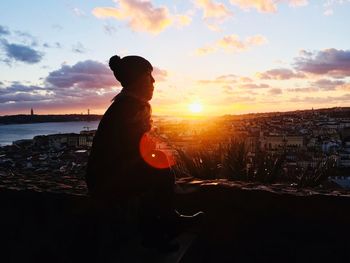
147 81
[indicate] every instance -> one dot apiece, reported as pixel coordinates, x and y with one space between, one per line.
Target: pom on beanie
114 62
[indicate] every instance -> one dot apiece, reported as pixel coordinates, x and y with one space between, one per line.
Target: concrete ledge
241 225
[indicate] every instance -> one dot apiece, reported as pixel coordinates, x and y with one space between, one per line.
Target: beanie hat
129 68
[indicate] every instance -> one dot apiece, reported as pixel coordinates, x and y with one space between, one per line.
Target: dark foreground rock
241 225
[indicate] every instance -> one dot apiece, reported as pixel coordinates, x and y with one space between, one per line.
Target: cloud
159 74
328 12
18 87
332 62
254 86
245 79
57 45
22 97
86 74
327 84
341 99
233 98
79 48
78 12
227 89
256 40
280 74
54 45
182 20
227 76
18 92
26 38
205 50
83 85
345 86
275 91
307 90
4 31
221 80
109 29
329 4
225 80
22 53
296 3
266 6
212 9
140 15
232 43
59 100
322 85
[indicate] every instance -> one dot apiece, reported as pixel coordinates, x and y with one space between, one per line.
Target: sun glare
195 107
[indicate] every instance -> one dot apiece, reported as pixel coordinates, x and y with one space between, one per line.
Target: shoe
178 223
189 219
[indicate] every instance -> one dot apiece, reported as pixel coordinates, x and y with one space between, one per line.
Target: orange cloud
223 79
266 6
212 9
280 74
182 20
205 50
275 91
214 13
254 86
159 74
256 40
142 15
232 43
296 3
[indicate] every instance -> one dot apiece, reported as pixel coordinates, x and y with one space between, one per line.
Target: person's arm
135 122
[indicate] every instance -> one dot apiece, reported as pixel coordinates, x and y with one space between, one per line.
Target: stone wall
241 225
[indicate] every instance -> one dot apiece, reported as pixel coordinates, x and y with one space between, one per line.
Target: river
14 132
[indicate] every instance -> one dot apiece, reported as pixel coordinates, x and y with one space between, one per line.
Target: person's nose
152 79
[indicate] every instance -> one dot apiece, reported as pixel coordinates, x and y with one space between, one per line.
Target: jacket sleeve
135 120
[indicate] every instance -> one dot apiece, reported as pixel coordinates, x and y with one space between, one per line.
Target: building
281 142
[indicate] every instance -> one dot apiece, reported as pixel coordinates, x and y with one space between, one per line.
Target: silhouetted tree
267 168
201 165
235 162
314 177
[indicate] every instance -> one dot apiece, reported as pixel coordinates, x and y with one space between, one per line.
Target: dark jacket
115 166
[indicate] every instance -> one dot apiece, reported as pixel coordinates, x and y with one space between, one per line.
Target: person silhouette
118 169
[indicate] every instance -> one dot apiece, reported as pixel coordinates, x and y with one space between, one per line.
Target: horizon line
188 115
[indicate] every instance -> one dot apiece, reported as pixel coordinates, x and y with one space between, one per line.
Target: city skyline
209 57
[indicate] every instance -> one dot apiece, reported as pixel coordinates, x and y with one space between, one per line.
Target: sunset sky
226 57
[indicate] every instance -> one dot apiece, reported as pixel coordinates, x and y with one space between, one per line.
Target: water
14 132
